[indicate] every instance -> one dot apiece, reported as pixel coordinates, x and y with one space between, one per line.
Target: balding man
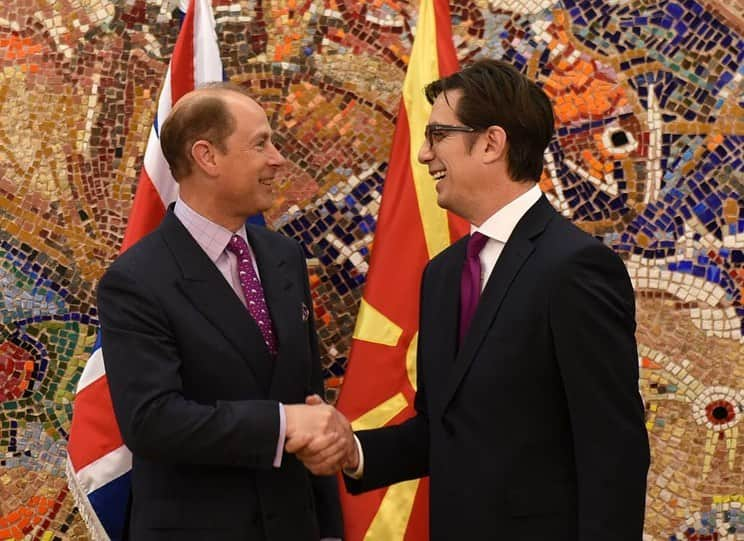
210 346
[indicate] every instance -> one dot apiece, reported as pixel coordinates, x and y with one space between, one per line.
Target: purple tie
254 296
470 282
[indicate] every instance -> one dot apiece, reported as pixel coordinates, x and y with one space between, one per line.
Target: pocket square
305 312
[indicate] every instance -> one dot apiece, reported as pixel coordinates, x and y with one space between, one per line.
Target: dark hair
203 117
496 93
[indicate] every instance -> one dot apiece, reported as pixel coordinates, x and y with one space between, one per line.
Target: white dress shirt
499 227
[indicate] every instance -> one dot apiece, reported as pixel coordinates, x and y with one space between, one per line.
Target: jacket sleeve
393 454
400 452
592 318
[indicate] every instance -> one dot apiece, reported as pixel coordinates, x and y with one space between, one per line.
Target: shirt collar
501 223
211 237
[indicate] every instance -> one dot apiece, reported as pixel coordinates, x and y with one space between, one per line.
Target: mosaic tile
647 157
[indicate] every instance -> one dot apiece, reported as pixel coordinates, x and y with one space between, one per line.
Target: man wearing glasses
529 421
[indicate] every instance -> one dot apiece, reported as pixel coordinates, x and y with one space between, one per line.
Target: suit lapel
284 307
206 288
516 252
446 318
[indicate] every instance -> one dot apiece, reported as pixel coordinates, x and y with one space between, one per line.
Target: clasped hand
320 436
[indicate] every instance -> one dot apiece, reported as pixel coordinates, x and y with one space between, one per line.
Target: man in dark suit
528 416
210 346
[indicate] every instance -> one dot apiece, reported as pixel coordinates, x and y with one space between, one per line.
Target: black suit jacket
533 428
196 393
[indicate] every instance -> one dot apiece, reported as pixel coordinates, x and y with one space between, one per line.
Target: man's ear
204 156
496 144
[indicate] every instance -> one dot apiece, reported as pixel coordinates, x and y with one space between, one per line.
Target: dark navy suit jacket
196 392
532 428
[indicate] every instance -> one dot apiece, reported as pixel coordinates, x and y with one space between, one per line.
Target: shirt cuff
359 471
282 436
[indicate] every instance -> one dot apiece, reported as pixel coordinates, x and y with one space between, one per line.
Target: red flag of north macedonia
380 381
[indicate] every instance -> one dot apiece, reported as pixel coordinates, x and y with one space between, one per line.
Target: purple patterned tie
254 296
470 282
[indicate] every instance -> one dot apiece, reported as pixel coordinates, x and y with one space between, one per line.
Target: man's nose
276 159
425 153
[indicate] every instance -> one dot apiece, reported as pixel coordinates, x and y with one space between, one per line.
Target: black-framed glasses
436 132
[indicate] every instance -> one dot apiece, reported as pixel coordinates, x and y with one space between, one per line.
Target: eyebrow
264 134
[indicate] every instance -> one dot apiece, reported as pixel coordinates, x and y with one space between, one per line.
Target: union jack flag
98 462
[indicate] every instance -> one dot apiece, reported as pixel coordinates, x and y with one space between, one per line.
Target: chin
264 206
442 201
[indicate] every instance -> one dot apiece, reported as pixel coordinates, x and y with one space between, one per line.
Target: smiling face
218 144
470 169
454 162
246 169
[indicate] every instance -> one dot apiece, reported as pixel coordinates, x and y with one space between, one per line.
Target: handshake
320 436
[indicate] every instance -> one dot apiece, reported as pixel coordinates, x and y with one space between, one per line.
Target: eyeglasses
436 132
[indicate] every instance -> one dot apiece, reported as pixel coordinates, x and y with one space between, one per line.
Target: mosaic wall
648 156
